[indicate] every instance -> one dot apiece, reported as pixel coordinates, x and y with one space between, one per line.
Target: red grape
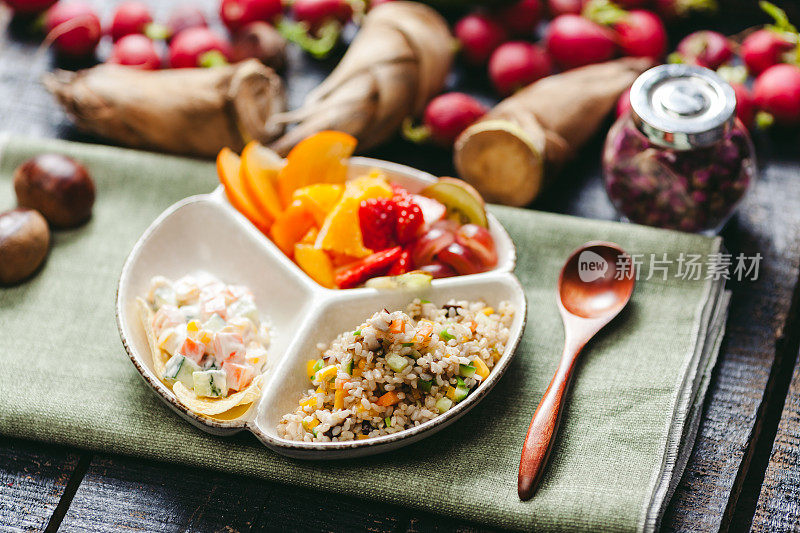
460 259
430 244
439 270
479 241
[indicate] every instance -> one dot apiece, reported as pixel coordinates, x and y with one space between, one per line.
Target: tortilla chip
215 406
185 395
159 356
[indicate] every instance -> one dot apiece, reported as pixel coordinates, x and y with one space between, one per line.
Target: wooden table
49 487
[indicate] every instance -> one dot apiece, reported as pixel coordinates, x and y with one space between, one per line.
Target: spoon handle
544 425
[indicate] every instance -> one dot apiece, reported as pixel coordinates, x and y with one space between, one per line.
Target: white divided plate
206 233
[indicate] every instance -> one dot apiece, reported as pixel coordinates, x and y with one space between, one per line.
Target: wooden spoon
595 284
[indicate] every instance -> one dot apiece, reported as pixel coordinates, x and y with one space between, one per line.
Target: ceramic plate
206 233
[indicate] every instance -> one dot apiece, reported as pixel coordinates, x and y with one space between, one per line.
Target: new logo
591 266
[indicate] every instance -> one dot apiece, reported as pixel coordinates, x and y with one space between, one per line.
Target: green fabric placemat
68 380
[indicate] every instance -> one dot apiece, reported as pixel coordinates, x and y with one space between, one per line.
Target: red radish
624 103
129 17
631 4
135 50
28 7
316 12
762 49
670 10
517 64
745 109
777 91
376 3
197 47
185 17
521 17
445 117
565 7
479 35
705 48
641 34
574 41
74 28
238 13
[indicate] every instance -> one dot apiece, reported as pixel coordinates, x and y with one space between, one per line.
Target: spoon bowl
596 281
595 284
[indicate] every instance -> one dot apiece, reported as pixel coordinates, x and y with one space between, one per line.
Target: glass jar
679 159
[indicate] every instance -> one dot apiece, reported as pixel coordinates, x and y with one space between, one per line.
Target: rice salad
398 370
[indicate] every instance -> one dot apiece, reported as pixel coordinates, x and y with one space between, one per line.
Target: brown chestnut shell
58 187
24 241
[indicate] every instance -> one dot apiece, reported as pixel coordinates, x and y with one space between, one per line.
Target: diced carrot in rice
390 398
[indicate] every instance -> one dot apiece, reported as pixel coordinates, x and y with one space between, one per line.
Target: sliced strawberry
373 265
409 220
378 219
402 265
399 191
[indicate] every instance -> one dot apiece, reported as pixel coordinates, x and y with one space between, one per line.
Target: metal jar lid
682 106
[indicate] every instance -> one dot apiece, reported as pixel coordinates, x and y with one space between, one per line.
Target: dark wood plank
33 478
133 495
768 223
778 507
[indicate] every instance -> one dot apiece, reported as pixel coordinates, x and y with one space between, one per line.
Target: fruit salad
344 233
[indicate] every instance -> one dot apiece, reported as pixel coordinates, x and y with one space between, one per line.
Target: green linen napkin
627 429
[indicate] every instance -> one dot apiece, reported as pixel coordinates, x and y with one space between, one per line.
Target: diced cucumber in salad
180 368
211 383
212 333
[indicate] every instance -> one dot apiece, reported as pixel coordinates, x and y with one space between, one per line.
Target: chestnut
24 240
56 186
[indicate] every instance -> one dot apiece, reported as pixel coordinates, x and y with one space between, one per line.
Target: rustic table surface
745 467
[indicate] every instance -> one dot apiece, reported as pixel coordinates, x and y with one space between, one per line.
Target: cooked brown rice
398 370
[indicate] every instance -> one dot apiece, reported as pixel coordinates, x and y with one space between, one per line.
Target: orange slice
230 175
341 232
261 167
320 198
315 263
321 158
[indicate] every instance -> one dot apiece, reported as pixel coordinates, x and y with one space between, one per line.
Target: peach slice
230 175
261 167
291 226
315 263
321 158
